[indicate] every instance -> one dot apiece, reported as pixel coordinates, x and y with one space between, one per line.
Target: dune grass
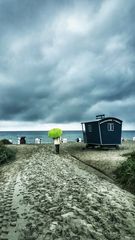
5 141
6 154
125 173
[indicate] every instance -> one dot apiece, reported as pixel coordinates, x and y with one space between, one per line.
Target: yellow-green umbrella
55 133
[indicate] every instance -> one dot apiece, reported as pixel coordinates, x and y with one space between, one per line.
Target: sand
105 160
49 196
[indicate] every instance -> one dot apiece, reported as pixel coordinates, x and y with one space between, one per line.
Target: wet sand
49 196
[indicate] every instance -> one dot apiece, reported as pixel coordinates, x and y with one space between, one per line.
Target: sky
63 62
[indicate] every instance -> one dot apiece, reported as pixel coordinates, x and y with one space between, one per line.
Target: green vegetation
5 141
6 154
55 133
125 174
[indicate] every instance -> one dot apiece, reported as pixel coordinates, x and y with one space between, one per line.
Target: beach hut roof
104 120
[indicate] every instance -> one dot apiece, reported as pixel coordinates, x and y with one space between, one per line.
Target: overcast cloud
66 61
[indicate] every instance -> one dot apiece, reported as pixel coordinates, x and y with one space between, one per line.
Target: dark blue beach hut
104 131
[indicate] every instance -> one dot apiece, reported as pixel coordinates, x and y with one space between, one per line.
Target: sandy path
46 196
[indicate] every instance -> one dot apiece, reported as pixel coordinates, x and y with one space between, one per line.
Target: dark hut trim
110 119
104 120
100 136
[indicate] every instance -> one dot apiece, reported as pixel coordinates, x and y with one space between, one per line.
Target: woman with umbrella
56 133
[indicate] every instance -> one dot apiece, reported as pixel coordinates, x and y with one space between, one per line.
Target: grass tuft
125 174
6 154
5 141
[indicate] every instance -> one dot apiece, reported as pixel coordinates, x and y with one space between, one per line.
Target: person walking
55 134
57 145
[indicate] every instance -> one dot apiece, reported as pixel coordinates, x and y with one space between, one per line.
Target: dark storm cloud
66 61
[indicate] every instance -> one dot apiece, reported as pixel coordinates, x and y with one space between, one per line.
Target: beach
49 196
106 160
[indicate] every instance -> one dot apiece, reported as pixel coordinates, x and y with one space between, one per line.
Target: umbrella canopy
55 133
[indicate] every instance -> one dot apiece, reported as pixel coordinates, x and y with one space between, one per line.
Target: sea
30 136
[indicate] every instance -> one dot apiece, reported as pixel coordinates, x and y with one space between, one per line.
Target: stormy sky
65 61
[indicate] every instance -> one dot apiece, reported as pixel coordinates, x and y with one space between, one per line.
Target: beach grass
125 173
6 154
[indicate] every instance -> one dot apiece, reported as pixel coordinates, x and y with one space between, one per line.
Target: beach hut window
89 128
110 126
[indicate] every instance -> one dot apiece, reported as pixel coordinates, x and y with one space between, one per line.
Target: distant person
57 145
22 140
77 140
